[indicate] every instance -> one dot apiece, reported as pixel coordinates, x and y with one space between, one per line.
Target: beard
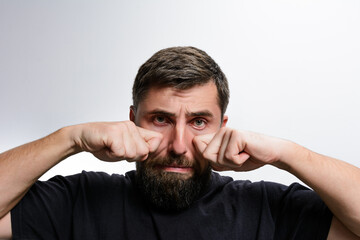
170 191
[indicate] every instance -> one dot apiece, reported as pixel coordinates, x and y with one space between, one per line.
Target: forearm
22 166
108 141
337 182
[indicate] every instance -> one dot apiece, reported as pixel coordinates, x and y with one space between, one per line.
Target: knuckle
195 139
120 152
120 125
240 160
130 124
130 154
221 160
143 151
236 134
228 156
206 155
159 135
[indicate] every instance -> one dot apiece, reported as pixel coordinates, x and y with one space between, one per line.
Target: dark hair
180 68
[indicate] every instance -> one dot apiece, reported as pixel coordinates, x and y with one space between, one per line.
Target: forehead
197 98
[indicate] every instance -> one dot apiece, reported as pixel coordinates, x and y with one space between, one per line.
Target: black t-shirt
94 205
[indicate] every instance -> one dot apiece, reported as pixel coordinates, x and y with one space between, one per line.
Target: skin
169 121
179 116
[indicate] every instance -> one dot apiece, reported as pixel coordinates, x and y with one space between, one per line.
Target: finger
212 150
224 145
202 141
148 134
142 147
152 138
129 143
234 150
115 148
107 155
249 165
241 158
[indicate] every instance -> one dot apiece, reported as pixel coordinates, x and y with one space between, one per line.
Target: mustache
178 160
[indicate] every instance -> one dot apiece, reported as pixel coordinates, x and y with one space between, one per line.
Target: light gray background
293 68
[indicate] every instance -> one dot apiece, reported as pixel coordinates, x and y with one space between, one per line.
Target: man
176 134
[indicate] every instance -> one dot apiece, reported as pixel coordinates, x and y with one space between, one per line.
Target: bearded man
176 135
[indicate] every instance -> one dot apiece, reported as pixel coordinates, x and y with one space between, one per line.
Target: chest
130 218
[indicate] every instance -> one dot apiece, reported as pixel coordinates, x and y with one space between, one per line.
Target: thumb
202 141
152 138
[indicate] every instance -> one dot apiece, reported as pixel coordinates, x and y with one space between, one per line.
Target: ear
132 113
224 121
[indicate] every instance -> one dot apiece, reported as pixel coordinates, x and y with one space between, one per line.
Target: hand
117 141
229 149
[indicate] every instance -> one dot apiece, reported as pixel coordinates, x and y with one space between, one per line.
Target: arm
336 182
22 166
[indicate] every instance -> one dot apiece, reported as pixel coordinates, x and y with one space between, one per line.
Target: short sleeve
46 210
298 212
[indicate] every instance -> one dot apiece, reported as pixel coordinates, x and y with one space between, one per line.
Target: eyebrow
204 113
161 112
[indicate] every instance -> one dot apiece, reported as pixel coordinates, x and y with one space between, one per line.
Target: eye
160 120
199 123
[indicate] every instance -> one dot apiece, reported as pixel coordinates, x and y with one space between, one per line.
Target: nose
178 143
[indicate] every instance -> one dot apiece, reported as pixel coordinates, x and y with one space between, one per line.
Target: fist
115 141
229 149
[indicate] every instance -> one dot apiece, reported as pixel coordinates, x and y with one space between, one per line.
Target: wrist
291 155
71 134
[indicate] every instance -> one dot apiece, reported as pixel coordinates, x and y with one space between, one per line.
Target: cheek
191 148
148 124
165 131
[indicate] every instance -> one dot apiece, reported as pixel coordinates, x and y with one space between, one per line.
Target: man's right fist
115 141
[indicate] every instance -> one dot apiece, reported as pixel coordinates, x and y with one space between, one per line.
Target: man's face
179 115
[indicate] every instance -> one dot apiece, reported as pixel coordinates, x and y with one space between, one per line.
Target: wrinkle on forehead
201 98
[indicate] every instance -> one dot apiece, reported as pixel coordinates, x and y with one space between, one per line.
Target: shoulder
92 177
265 189
228 183
94 181
102 179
